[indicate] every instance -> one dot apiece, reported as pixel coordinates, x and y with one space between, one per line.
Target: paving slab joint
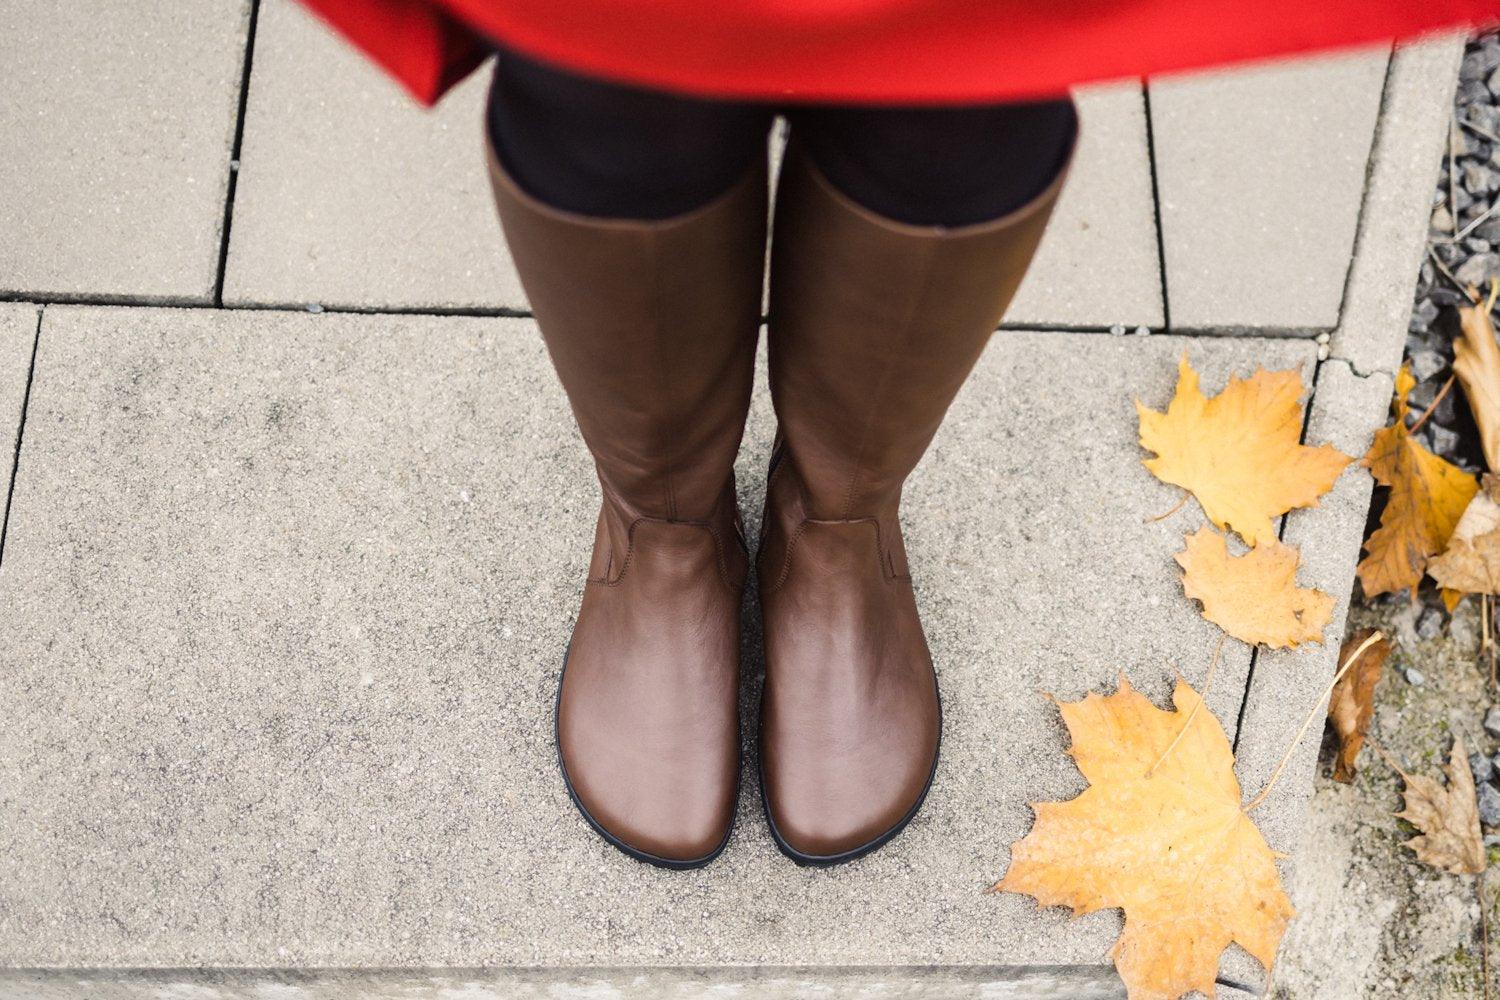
1354 370
15 458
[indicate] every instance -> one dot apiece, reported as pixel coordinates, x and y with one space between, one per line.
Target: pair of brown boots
652 326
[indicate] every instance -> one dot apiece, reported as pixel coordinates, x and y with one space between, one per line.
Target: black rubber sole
671 864
854 854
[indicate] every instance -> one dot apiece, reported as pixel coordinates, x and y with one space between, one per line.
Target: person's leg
944 166
600 149
637 225
875 323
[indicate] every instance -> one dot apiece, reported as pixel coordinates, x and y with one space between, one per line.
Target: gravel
1489 805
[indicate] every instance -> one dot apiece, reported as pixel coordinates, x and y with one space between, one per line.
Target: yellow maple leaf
1164 839
1239 453
1253 597
1427 497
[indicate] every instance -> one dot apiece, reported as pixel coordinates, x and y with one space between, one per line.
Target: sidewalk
284 593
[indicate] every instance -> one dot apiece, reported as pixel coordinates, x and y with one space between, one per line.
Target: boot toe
844 811
652 811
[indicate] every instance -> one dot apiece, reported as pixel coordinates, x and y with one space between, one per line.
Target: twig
1479 129
1447 273
1452 181
1466 230
1175 508
1484 933
1370 640
1487 635
1208 683
1431 406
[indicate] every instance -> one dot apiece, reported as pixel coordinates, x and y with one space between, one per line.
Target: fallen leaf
1253 597
1352 704
1427 497
1448 817
1174 850
1476 362
1471 562
1239 453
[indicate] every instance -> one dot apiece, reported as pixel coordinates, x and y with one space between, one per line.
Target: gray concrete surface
1407 155
117 123
352 195
1099 264
18 327
906 983
1352 399
286 597
1261 174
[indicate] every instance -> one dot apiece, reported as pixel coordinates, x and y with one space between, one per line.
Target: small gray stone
1445 296
1478 179
1492 840
1482 768
1492 720
1449 253
1489 805
1429 623
1486 116
1480 62
1477 244
1415 677
1422 316
1444 441
1442 220
1472 92
1478 269
1488 230
1426 364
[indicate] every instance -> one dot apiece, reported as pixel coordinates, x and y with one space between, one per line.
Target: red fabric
889 51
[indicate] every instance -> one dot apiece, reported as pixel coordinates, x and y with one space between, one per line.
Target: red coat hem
874 51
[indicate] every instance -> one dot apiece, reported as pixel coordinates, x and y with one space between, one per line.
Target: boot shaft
874 327
652 327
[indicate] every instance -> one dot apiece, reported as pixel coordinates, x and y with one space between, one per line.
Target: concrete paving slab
1353 399
285 597
933 983
1099 264
1289 684
1404 165
117 121
351 195
1260 176
18 325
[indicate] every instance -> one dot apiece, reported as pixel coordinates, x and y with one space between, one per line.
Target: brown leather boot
652 328
874 326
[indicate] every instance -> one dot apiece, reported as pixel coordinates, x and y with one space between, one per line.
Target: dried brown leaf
1353 702
1476 362
1471 563
1447 816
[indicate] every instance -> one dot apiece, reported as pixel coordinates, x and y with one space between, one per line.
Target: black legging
608 150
